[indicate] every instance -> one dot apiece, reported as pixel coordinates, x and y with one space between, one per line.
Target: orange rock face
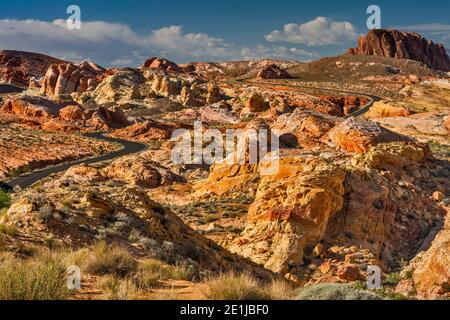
17 67
403 45
290 212
145 131
158 63
32 106
347 104
382 109
52 115
273 72
68 78
358 135
432 273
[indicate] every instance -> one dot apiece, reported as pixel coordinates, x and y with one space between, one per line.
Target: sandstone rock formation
403 45
140 171
63 115
18 67
245 69
69 78
358 135
145 131
384 109
158 63
256 103
431 276
303 128
290 212
273 72
118 214
347 104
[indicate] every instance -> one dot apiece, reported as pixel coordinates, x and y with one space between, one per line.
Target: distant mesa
402 45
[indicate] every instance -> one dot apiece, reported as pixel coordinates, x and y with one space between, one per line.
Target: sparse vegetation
5 199
335 291
392 279
116 288
8 229
237 287
107 259
34 279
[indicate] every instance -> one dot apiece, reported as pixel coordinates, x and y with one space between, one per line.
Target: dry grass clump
32 279
116 288
244 287
151 272
104 259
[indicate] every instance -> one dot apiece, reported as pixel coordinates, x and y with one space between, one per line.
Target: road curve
129 147
360 112
26 180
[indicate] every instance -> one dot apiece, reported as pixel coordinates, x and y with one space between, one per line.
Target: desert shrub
107 259
4 199
9 229
116 288
182 271
151 272
392 279
335 291
32 280
236 287
281 290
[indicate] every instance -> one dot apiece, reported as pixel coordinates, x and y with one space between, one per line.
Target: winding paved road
129 147
27 180
360 112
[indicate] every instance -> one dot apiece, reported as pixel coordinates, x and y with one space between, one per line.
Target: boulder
72 113
122 86
256 103
358 135
384 109
140 171
159 63
273 72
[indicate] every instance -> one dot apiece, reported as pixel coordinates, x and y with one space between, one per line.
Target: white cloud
118 45
277 52
318 32
439 31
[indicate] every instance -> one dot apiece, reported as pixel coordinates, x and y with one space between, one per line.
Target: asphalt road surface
129 147
27 180
364 109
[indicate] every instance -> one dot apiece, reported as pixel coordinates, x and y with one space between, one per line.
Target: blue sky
123 33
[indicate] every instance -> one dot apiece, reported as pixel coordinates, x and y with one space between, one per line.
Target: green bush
330 291
4 199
